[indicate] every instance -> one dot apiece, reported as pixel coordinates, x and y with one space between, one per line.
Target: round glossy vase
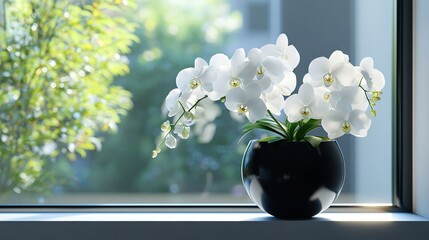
293 180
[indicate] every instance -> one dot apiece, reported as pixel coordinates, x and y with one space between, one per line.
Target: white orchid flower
267 65
350 98
337 123
287 85
207 112
170 141
198 79
265 83
305 105
274 100
373 79
346 98
182 130
176 98
238 73
330 95
255 87
247 102
307 79
218 60
172 102
334 72
287 53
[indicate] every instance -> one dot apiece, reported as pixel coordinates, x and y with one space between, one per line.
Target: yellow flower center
346 127
234 82
327 96
260 71
242 109
284 57
328 79
166 127
305 111
195 83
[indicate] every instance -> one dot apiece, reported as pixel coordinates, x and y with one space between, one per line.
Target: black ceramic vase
293 180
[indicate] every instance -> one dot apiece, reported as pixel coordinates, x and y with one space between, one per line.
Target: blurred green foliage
58 60
172 34
61 96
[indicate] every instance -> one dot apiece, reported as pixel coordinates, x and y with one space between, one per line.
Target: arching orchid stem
173 126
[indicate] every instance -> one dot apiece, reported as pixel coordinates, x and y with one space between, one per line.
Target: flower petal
288 84
319 107
306 94
219 60
360 122
208 111
184 78
207 77
338 57
292 107
345 75
335 98
207 133
200 64
265 83
257 109
307 79
274 101
367 64
221 85
270 50
332 123
172 98
170 141
255 56
245 71
378 80
238 57
182 131
274 65
253 90
352 98
282 43
235 97
293 56
318 68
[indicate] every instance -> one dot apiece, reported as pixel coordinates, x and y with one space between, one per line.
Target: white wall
374 38
420 108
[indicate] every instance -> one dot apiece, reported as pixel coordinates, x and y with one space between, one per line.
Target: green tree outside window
58 60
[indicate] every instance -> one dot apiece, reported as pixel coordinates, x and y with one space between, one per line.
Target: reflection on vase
324 193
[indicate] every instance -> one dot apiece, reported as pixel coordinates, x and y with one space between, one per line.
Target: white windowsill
195 212
206 223
202 217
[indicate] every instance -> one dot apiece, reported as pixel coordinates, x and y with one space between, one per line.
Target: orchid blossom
335 95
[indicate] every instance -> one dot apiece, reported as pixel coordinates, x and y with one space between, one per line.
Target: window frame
402 171
403 108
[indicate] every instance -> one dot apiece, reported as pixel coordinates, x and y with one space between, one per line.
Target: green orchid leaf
265 124
324 138
314 141
271 139
305 128
292 128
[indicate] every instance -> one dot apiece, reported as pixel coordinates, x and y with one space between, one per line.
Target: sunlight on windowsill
202 217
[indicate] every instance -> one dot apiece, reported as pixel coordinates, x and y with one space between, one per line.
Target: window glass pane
65 84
